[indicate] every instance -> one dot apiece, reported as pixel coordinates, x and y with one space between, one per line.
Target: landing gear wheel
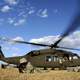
45 68
52 68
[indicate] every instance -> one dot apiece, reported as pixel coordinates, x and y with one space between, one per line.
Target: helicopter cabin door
53 61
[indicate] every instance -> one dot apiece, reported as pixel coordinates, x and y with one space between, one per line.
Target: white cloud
21 13
10 20
12 2
15 22
20 22
72 41
31 11
12 41
18 38
45 40
43 13
5 8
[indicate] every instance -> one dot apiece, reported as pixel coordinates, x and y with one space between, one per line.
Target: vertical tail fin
1 54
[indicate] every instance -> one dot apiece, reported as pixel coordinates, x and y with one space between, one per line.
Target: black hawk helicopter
52 57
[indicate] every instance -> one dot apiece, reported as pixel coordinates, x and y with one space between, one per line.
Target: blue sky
31 19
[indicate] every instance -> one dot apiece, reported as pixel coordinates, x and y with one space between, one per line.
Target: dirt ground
13 74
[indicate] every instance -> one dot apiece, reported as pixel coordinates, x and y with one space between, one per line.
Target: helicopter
52 57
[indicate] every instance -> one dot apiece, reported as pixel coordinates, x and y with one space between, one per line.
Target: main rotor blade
70 48
23 42
73 26
30 43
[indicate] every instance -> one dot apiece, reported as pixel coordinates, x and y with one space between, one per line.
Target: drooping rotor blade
73 26
15 41
24 42
70 48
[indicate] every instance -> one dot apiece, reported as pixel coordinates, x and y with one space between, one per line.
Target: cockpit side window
35 53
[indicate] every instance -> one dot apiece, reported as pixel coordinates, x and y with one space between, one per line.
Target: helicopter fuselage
49 58
53 58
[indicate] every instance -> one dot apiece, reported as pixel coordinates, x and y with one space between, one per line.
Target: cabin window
48 58
35 53
55 58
